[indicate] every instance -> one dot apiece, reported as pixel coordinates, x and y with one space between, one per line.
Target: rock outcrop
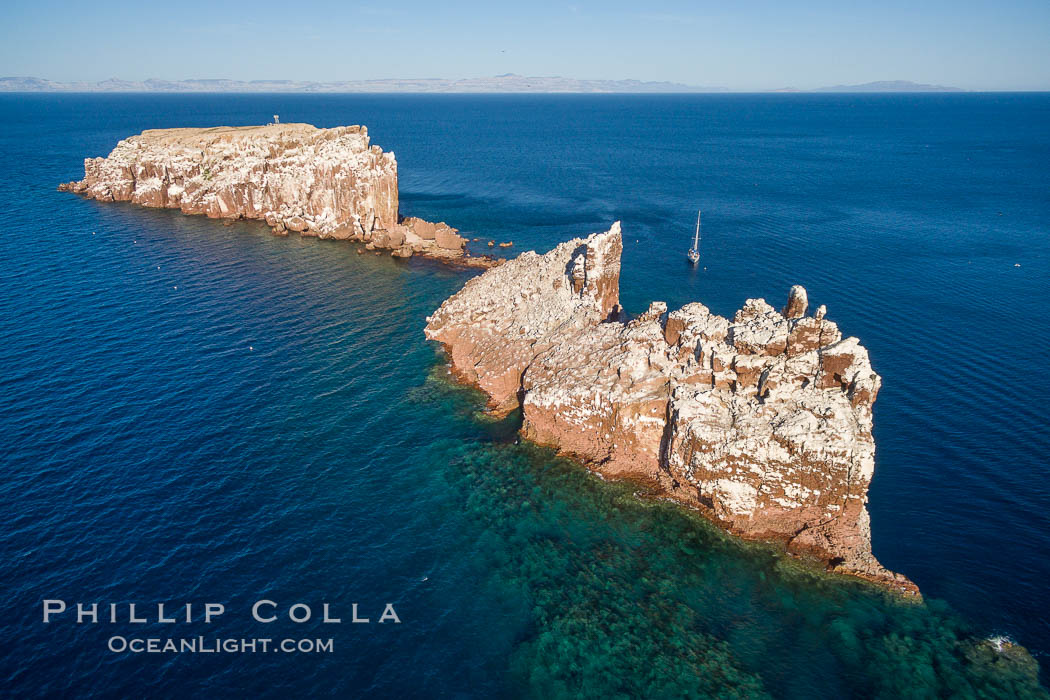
328 183
762 422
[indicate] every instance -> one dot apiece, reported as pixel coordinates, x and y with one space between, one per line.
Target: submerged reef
627 597
761 422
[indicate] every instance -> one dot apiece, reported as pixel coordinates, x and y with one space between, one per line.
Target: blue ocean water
201 413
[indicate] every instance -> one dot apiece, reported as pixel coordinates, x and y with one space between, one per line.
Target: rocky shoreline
329 183
761 422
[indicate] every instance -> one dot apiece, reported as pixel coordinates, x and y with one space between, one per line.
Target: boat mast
696 239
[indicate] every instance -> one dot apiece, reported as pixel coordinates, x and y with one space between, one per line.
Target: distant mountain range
889 86
879 86
508 82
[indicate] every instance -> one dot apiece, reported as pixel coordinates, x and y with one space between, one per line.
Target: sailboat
694 252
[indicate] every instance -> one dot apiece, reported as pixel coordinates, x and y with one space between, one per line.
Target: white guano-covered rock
762 422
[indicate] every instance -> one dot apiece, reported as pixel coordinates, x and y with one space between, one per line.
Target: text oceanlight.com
202 645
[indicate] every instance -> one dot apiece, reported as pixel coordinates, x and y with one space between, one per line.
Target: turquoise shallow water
198 412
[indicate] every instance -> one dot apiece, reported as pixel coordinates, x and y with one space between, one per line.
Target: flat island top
189 135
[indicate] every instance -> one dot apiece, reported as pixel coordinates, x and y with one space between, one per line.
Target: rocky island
761 422
329 183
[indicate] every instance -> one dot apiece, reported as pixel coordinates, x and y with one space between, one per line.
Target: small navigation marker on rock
361 203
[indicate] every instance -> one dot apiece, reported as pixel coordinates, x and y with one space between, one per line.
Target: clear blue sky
741 44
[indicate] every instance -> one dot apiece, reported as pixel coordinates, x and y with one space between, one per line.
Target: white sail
694 252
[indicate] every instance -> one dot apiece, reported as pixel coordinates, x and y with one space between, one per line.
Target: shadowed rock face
762 422
321 182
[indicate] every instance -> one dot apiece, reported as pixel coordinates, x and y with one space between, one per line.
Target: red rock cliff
323 182
762 422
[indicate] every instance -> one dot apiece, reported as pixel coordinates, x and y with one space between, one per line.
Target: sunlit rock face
329 183
762 422
497 325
